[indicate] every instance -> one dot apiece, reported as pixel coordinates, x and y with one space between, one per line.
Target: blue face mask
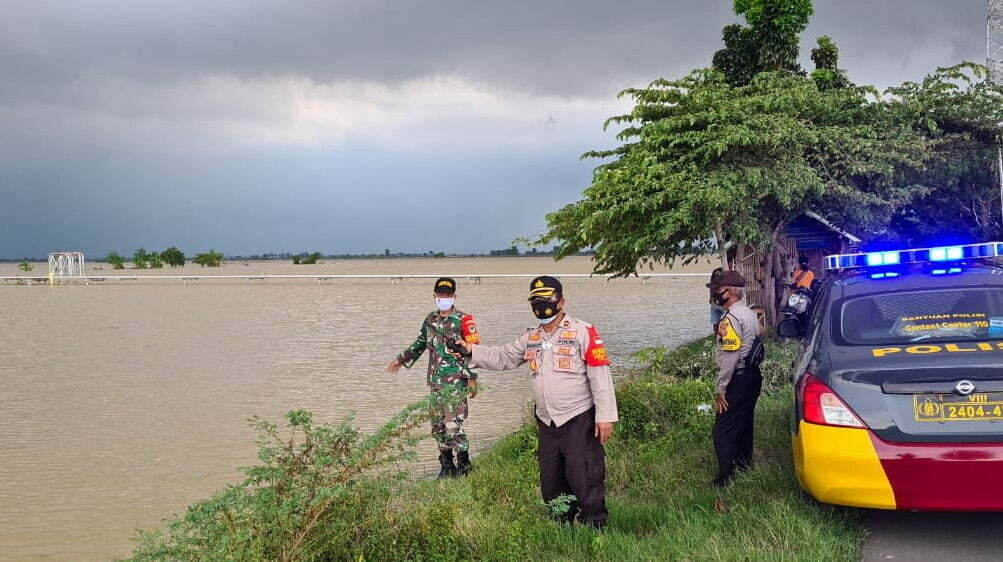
444 304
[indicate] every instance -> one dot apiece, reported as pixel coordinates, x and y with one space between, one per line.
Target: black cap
545 286
445 285
715 278
731 279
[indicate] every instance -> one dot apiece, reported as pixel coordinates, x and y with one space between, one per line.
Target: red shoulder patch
468 329
595 352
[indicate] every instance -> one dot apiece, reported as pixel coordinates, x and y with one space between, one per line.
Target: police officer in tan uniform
575 400
738 384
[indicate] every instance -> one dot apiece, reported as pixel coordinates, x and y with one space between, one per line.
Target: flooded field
123 403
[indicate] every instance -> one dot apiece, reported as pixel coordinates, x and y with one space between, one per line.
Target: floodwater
121 404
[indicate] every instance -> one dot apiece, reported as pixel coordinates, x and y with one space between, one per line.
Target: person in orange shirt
803 276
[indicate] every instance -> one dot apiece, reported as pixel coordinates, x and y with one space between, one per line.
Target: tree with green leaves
726 157
310 259
141 258
25 266
116 261
827 73
173 257
769 42
959 111
702 159
212 258
154 260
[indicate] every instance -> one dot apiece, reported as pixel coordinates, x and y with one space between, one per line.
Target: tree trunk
779 275
771 287
766 286
719 234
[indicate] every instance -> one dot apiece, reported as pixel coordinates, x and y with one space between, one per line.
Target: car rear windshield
942 315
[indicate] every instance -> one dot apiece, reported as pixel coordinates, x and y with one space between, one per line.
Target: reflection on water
123 404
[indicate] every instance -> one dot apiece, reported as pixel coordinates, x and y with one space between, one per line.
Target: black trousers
733 429
573 462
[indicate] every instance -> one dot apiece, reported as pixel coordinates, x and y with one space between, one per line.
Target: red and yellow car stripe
839 465
853 467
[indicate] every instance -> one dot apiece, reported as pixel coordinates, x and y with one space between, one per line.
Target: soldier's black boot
448 468
463 466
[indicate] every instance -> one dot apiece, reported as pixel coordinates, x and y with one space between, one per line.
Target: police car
899 390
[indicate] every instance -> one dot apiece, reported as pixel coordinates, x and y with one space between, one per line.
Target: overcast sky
354 126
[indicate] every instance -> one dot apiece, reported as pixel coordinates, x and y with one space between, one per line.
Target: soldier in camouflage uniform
439 334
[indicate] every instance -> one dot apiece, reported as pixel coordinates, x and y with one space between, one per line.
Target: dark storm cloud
569 47
886 42
278 125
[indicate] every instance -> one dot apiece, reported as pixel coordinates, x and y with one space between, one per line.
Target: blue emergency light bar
943 254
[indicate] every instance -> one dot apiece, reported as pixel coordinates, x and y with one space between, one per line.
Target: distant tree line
173 257
305 258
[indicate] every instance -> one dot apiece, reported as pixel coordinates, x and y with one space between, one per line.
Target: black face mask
545 309
721 298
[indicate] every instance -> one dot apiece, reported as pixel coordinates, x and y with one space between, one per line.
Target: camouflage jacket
443 366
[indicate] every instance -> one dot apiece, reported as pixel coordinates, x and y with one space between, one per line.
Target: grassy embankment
659 468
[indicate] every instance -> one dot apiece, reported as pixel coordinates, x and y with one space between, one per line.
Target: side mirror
790 328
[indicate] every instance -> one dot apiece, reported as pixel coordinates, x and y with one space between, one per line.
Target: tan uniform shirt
570 370
735 334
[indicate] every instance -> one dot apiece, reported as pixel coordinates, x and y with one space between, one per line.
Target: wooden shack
813 236
807 235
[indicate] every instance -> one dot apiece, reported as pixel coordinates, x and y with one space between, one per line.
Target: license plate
951 407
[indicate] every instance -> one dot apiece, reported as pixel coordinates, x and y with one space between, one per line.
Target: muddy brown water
122 404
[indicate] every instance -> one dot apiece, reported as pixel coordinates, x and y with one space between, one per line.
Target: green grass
659 469
659 494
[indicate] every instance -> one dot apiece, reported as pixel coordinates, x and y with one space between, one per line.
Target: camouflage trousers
447 415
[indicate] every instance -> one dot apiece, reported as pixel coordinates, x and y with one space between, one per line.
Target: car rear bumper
853 467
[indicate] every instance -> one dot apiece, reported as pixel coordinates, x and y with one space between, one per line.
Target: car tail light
822 406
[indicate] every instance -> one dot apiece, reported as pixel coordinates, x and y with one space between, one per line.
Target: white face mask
546 320
444 304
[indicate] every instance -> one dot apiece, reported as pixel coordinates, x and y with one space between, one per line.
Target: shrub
310 259
140 258
212 258
691 360
650 406
116 261
670 385
173 257
306 495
